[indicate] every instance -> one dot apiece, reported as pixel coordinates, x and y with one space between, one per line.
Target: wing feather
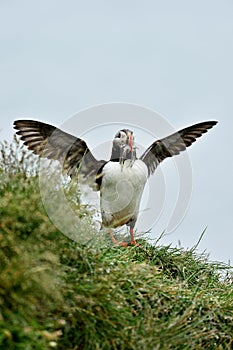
50 142
173 144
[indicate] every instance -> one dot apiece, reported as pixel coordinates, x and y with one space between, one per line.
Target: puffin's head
123 145
124 139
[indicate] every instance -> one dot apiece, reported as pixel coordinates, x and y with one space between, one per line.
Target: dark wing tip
19 122
25 125
210 124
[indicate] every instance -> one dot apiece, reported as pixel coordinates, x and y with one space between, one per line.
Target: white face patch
120 139
121 190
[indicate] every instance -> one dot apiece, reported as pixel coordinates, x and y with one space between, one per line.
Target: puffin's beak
130 138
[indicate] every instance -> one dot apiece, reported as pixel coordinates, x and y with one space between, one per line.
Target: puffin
121 179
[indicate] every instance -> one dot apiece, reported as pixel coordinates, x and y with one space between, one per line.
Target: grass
57 293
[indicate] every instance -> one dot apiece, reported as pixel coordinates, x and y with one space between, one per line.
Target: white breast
121 190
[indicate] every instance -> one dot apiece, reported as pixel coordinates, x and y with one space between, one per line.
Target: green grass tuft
55 293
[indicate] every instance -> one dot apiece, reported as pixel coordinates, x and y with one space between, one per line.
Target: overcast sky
174 57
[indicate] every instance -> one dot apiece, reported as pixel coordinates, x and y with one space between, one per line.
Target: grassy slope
55 293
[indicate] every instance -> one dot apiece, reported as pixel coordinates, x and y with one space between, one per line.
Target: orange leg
132 235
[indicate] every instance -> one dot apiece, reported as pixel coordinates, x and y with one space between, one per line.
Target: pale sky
174 57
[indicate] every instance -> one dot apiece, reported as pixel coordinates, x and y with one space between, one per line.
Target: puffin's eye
120 134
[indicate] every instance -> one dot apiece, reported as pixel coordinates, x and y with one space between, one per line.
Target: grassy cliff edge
55 293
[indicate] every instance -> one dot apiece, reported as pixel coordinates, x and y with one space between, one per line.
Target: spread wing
50 142
173 144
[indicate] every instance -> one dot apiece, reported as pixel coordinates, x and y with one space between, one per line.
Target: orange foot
123 244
